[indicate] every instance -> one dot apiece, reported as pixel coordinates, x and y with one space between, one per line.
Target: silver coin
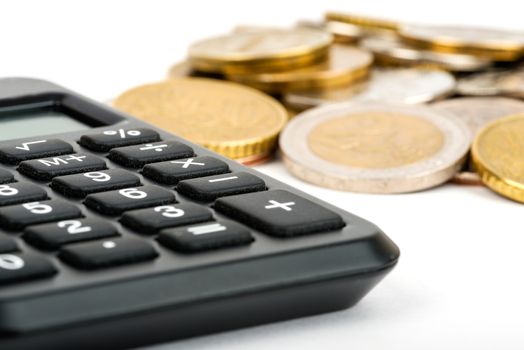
512 84
374 148
482 84
389 49
409 85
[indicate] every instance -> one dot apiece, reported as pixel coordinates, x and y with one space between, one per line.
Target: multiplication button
172 172
16 152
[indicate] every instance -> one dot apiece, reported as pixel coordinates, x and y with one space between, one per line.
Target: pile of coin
372 105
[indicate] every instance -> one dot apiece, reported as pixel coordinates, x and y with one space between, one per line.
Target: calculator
117 234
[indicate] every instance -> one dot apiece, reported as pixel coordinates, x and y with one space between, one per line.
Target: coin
228 118
265 51
370 23
512 84
345 66
345 33
409 85
498 153
390 50
374 148
482 84
486 42
184 69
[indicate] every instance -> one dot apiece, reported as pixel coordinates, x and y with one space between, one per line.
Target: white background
459 280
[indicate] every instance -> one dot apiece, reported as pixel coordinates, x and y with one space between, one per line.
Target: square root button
279 213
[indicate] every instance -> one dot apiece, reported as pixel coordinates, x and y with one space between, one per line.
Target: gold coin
484 42
344 33
498 156
346 65
369 23
266 50
184 69
225 117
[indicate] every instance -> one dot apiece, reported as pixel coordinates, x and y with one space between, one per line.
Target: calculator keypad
212 187
21 192
47 168
172 172
80 185
6 177
16 152
15 267
138 156
7 244
109 139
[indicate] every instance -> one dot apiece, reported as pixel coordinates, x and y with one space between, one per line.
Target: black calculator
116 234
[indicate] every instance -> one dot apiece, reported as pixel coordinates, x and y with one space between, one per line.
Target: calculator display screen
27 122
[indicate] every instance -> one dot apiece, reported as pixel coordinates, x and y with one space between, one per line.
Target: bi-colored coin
260 51
389 50
493 44
498 156
371 24
374 148
228 118
345 66
409 85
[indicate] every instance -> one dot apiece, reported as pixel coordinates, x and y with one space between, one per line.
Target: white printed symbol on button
58 160
109 244
25 145
203 229
122 133
224 179
11 262
187 163
150 146
274 204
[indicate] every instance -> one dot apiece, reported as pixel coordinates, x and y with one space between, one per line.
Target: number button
7 244
172 172
47 168
20 192
279 213
151 220
138 156
17 267
80 185
53 235
16 152
118 201
17 217
109 139
6 176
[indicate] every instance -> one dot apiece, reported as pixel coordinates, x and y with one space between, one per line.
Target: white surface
459 280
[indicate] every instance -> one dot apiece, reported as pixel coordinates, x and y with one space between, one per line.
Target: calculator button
16 152
80 185
151 220
48 168
6 176
172 172
21 192
113 252
138 156
213 235
116 202
53 235
17 217
279 213
17 267
7 244
106 140
211 187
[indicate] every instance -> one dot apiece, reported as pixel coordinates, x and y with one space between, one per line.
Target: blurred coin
184 69
390 50
375 148
498 154
493 44
268 50
512 84
482 84
228 118
371 24
345 33
345 66
409 85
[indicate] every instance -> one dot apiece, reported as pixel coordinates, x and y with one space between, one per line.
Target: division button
170 173
47 168
212 235
107 253
279 213
18 267
16 152
151 220
53 235
118 137
6 176
7 244
118 201
21 192
17 217
138 156
211 187
80 185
